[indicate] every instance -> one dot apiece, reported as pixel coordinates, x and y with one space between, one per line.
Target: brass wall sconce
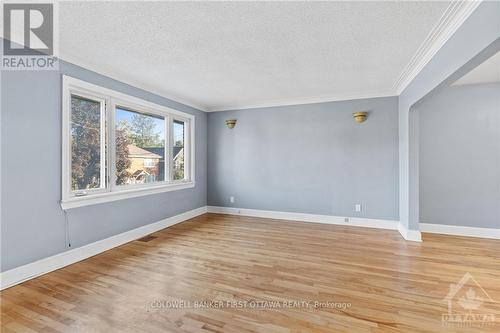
231 123
360 116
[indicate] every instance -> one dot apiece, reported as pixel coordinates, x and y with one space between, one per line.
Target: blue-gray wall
309 158
460 156
472 41
32 221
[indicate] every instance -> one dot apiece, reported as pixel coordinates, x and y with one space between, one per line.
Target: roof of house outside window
160 151
134 151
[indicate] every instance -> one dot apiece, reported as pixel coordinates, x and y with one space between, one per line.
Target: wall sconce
231 123
360 116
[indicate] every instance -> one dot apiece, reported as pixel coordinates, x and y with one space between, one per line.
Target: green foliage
179 174
122 160
85 144
142 132
179 166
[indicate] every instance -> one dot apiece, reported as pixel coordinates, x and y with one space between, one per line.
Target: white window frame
187 136
104 162
150 163
110 100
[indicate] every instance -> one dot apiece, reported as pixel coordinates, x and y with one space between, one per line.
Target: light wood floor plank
391 285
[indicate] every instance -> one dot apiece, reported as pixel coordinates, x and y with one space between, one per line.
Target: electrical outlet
346 219
357 208
231 199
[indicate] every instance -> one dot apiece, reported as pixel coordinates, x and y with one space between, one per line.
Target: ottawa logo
467 301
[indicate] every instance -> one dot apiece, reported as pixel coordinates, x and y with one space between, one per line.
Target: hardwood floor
368 280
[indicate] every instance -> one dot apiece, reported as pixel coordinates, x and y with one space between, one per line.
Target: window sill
94 199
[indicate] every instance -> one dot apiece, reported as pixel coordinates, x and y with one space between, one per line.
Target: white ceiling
221 55
487 72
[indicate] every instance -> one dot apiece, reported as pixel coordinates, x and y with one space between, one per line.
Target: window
149 163
140 145
88 153
178 150
116 146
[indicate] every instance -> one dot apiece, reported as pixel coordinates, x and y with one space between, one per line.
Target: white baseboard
26 272
20 274
408 234
460 231
328 219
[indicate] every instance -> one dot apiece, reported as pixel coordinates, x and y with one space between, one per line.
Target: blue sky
159 123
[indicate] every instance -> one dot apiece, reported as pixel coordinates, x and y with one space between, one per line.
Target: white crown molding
29 271
282 102
300 101
454 16
118 76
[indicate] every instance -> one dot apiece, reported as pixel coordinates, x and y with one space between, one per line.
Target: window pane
178 162
140 147
86 159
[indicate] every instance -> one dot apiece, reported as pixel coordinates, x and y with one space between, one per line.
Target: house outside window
116 146
144 166
151 162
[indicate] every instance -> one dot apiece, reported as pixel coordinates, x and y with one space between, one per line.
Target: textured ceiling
487 72
220 55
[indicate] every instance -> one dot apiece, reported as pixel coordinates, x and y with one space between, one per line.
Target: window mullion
102 145
166 163
187 150
66 149
112 146
170 148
